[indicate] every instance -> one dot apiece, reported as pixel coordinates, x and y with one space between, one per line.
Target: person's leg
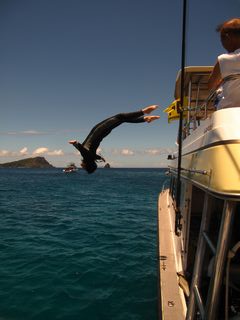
149 109
136 117
102 129
107 125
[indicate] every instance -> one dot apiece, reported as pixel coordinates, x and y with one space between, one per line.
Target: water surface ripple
78 246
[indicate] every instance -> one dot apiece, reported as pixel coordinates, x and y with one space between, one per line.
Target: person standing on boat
225 76
88 148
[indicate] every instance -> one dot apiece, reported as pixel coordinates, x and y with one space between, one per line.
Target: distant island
37 162
107 166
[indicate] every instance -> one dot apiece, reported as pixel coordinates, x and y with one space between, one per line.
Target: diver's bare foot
149 109
72 141
151 118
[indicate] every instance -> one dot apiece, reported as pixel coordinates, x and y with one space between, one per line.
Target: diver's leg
149 109
102 129
114 121
136 117
150 118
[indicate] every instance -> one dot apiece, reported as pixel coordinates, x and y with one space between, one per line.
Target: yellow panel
222 164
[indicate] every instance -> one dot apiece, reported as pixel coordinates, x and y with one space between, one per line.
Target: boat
199 211
70 168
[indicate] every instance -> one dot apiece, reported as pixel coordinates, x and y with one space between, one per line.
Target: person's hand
72 141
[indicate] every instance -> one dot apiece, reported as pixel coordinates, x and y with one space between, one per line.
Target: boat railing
197 112
198 108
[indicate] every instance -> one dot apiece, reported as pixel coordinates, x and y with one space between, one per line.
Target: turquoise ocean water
78 246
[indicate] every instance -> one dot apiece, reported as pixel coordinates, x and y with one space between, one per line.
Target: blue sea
79 246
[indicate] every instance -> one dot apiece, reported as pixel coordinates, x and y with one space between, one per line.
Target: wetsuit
89 147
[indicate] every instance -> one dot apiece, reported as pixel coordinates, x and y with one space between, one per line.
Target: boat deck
172 301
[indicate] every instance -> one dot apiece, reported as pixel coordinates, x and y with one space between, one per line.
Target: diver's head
89 166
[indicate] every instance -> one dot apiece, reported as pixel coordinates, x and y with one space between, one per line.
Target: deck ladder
209 311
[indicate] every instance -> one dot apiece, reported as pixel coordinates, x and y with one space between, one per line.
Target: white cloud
158 151
5 153
55 153
10 133
23 133
24 151
46 151
41 150
149 152
127 152
153 152
123 152
31 132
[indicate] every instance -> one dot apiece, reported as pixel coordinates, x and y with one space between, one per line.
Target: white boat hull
211 154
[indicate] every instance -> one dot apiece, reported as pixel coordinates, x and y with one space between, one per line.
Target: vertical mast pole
178 225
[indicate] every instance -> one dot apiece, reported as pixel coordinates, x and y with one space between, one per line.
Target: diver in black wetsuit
89 147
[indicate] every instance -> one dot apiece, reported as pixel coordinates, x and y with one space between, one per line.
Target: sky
66 65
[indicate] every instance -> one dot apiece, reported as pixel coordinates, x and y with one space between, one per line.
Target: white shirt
230 65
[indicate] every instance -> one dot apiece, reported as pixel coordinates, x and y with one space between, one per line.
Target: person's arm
100 158
86 154
215 77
